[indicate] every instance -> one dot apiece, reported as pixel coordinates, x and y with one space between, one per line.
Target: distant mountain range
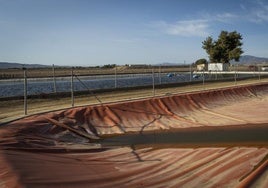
7 65
248 59
245 59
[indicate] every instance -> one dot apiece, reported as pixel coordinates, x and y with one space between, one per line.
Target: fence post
25 91
54 79
72 87
235 73
259 72
115 77
153 82
203 80
159 74
254 69
190 72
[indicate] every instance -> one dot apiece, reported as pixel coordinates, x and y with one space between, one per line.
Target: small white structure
218 67
264 68
202 67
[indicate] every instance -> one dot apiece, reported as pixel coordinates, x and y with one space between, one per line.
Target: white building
218 67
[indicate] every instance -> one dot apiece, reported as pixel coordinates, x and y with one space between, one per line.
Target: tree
225 49
201 61
108 66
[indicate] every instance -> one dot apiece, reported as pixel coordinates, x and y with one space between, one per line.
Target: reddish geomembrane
214 138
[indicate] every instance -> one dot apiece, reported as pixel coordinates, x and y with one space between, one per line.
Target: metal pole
25 91
54 79
203 80
159 74
115 77
190 72
235 73
254 69
72 87
153 81
259 72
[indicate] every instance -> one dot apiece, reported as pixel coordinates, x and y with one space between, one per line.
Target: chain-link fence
157 77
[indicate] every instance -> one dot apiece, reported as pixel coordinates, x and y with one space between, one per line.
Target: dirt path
13 109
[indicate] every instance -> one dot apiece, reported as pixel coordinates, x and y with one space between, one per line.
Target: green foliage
225 49
109 66
201 61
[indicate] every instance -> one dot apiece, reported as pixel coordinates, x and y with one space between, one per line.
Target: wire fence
89 84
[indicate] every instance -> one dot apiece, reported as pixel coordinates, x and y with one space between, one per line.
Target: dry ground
13 109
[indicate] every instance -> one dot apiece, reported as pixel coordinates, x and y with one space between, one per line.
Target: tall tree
228 47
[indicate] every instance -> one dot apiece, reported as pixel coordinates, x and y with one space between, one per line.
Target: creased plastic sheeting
61 149
125 167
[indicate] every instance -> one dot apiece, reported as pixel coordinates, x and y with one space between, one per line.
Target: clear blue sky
98 32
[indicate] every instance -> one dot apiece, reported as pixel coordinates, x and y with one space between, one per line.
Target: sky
100 32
